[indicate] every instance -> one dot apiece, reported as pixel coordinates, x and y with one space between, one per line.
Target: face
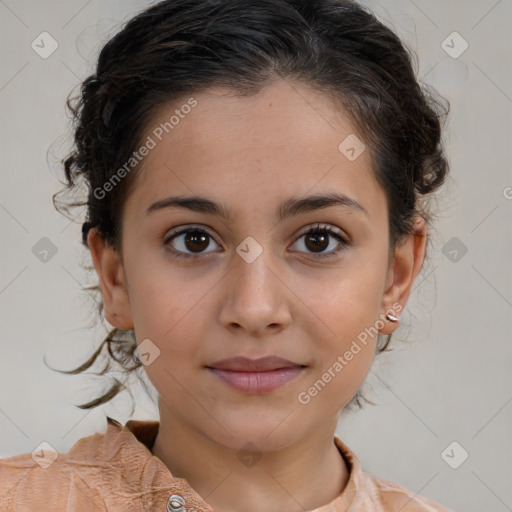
204 288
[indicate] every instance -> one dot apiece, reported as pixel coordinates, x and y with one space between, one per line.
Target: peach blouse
116 471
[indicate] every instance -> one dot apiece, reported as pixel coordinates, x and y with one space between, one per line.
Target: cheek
170 311
344 368
344 329
347 300
163 297
175 341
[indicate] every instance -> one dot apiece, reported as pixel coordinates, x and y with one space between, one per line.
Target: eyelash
319 228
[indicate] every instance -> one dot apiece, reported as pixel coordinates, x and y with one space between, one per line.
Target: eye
317 240
191 242
195 240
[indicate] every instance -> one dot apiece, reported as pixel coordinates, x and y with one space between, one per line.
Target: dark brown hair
177 48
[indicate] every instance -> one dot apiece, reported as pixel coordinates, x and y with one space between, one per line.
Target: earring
392 318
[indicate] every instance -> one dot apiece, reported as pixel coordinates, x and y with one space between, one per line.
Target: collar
144 433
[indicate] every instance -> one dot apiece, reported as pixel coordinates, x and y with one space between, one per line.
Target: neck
307 474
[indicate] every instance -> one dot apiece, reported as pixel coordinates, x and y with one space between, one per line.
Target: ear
404 267
109 268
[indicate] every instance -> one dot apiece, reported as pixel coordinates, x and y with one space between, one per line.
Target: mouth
256 376
245 364
258 382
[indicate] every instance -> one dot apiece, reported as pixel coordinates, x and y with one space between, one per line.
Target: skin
251 154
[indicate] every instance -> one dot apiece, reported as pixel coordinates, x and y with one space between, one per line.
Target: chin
266 432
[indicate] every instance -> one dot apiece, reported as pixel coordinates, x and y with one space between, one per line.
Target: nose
256 298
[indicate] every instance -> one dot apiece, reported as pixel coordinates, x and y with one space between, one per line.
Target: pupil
196 237
317 238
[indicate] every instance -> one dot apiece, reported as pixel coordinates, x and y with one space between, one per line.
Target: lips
244 364
256 376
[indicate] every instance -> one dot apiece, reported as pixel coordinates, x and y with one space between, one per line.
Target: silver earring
392 318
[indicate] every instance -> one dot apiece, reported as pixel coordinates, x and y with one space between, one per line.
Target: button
175 503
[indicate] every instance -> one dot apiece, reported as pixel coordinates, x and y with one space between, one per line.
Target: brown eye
317 242
191 242
318 238
196 241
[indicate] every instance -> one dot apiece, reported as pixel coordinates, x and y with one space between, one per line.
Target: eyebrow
290 208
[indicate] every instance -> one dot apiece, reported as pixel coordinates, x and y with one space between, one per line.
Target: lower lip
258 382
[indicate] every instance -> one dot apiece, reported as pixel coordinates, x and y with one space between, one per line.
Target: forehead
282 142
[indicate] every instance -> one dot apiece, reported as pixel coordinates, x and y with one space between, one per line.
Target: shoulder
392 496
73 480
368 493
113 471
29 480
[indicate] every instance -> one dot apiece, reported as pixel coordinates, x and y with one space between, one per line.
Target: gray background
451 379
